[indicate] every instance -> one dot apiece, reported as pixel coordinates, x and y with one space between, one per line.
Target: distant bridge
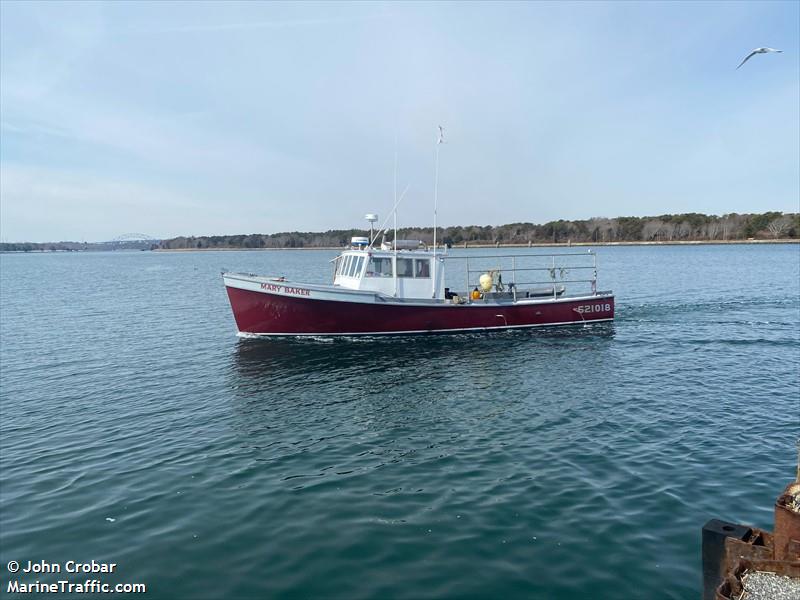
129 241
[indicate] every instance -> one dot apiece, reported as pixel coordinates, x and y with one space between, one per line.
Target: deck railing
573 269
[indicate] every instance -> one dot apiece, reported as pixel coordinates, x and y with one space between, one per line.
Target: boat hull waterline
264 307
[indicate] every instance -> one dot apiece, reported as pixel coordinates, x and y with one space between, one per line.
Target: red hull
262 313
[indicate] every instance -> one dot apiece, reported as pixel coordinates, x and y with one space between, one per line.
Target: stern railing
564 270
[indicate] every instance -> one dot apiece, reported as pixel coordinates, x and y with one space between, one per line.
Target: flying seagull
758 51
441 135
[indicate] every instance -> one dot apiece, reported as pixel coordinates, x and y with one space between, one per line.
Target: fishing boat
399 288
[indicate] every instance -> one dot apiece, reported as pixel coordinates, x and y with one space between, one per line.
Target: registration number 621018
594 308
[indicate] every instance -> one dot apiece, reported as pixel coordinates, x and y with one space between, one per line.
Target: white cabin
404 274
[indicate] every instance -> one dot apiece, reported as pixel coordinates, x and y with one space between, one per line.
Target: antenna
394 211
439 142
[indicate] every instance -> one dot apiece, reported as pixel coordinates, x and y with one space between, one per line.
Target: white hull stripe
246 334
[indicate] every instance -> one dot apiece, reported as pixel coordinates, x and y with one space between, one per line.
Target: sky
181 118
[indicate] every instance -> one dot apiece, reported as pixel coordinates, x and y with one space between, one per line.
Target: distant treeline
665 228
78 246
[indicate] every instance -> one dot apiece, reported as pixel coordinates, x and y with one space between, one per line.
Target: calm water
574 463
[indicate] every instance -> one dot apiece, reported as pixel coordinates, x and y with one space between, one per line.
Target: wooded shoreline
691 228
477 246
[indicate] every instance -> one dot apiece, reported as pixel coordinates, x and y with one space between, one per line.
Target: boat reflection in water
323 360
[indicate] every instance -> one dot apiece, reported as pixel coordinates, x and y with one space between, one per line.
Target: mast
439 142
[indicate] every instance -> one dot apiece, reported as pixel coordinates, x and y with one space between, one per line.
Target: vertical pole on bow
394 260
439 142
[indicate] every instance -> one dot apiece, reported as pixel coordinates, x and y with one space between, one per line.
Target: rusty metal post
714 534
787 524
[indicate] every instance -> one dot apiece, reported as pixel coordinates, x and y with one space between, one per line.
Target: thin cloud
33 129
255 25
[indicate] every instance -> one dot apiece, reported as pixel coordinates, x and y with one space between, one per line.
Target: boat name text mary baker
286 289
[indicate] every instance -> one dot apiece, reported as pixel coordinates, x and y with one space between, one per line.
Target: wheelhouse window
344 265
359 262
422 267
405 267
379 266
